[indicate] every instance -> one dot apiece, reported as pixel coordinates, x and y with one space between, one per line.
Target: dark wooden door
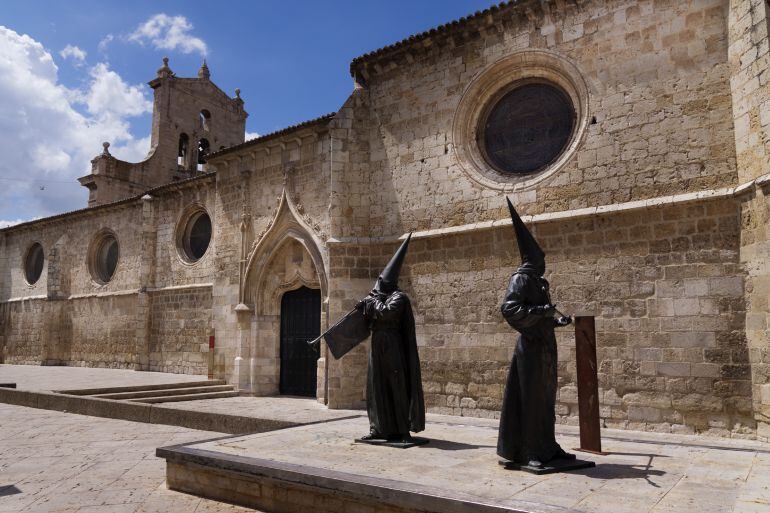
300 322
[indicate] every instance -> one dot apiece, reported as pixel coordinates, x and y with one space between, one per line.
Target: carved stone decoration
287 223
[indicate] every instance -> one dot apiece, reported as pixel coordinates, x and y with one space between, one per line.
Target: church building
632 135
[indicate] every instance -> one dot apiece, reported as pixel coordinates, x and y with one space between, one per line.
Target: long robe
394 396
528 414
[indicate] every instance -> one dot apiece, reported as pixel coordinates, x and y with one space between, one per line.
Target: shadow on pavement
8 490
447 445
624 471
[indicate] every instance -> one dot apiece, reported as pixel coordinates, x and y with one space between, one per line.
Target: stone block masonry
180 322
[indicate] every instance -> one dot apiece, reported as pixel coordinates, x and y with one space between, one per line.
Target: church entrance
300 323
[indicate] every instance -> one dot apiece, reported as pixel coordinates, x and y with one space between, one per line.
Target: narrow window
203 150
205 117
184 143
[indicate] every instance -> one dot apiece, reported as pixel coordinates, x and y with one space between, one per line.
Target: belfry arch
285 259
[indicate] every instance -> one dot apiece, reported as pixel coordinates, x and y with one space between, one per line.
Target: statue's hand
564 320
544 310
361 304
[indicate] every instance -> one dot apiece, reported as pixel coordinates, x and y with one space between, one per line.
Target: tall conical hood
389 275
532 257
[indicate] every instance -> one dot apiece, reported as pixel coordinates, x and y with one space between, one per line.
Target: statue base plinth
551 467
399 444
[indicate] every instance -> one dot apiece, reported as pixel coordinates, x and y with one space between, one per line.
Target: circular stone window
527 128
104 257
33 263
196 236
520 120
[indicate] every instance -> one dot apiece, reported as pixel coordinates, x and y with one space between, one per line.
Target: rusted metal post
588 384
211 356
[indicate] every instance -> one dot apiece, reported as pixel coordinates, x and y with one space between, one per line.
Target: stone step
186 397
139 388
166 392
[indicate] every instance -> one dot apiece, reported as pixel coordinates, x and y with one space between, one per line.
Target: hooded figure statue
527 419
394 397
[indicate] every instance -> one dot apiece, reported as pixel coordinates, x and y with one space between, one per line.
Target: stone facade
654 219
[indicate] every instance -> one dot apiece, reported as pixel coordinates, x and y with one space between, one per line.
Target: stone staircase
164 393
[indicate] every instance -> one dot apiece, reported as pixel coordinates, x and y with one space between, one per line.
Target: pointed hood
532 257
388 280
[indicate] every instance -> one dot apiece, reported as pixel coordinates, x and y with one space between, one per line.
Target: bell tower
191 117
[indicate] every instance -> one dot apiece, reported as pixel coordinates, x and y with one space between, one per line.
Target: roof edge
361 62
104 206
273 135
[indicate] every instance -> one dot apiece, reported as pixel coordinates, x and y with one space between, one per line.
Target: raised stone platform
320 468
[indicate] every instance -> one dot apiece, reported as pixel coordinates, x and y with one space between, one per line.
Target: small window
104 257
203 150
205 118
33 263
184 143
196 236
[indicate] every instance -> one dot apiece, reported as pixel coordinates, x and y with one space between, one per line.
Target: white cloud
109 96
106 40
77 55
168 33
251 135
133 151
47 140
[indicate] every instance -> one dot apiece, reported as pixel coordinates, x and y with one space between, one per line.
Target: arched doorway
300 323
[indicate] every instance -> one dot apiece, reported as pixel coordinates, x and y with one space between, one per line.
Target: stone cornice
629 206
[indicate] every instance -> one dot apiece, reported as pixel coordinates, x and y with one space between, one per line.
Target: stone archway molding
286 224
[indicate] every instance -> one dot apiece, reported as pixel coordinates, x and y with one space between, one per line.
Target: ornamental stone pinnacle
164 71
204 73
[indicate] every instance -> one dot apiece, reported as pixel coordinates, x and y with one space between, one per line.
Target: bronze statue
394 396
526 437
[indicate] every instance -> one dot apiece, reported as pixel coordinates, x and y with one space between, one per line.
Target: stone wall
658 106
180 322
755 247
23 333
69 318
749 60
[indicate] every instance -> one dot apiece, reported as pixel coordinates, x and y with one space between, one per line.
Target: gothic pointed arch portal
286 258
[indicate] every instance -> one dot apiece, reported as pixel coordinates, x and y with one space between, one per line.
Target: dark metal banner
347 333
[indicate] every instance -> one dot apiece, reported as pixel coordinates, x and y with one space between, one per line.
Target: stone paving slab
47 378
59 462
641 472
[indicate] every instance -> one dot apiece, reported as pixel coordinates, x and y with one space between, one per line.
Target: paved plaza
60 462
55 461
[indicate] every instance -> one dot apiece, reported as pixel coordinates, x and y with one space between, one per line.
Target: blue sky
290 60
